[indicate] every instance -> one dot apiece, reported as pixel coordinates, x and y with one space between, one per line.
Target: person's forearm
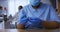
51 24
20 26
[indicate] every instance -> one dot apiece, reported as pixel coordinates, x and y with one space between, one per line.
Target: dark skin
58 6
36 7
51 24
47 24
1 9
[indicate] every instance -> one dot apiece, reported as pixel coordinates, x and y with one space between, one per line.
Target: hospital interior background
10 8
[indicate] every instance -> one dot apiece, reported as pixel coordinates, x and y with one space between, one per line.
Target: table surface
29 30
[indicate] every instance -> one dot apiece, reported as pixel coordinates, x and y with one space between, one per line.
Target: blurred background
11 11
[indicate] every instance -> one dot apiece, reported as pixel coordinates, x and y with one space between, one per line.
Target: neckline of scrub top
30 6
38 12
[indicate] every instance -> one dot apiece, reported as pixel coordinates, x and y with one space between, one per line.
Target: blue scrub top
32 18
1 12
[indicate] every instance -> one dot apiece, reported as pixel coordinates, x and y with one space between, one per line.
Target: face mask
34 2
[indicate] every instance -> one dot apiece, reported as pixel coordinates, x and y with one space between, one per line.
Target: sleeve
22 17
54 15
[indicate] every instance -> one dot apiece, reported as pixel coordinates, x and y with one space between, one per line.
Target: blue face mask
34 2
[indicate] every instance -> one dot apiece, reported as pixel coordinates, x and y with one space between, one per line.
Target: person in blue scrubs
36 15
1 13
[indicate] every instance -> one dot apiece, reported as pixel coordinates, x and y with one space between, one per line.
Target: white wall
13 5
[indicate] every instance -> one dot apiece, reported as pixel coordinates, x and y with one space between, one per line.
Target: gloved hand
36 22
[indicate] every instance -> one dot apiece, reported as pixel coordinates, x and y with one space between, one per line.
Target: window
13 5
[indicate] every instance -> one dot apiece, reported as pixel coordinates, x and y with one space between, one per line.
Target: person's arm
20 26
22 20
54 21
51 24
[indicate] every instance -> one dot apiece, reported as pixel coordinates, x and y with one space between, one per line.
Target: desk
29 30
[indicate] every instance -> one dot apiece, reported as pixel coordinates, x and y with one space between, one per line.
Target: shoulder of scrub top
46 5
25 7
43 4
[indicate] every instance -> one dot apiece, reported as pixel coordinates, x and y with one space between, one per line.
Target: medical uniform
1 20
32 18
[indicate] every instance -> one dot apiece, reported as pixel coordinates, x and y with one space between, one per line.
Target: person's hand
50 24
